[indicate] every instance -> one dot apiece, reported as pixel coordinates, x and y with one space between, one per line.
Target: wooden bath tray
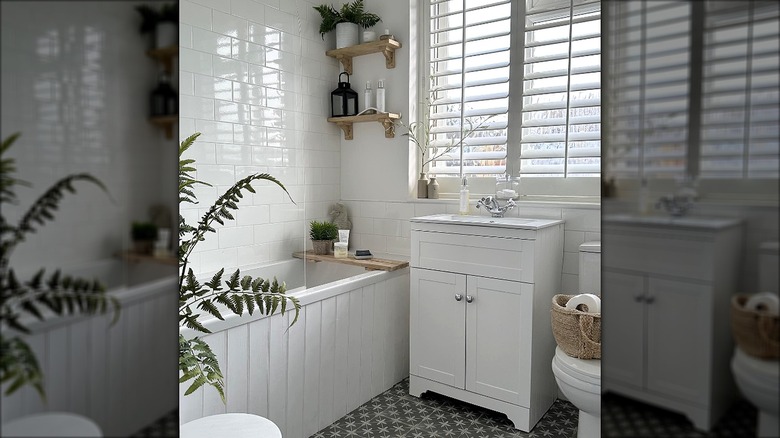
374 264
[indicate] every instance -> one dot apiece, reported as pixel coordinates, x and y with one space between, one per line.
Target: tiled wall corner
255 81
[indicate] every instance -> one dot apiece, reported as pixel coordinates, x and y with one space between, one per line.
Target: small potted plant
346 21
143 234
163 24
322 236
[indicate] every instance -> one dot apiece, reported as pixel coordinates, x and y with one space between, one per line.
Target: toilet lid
758 367
52 424
586 370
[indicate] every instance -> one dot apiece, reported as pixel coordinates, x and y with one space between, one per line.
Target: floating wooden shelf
387 120
135 257
386 47
164 56
165 122
370 264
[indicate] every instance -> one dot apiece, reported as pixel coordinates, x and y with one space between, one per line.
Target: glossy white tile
229 25
195 14
248 9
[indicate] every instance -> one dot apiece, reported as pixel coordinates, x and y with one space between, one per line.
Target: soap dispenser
463 207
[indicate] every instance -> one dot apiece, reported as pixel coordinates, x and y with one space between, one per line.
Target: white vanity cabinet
665 293
481 292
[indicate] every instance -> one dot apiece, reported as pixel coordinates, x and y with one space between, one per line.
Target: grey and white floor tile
624 417
396 414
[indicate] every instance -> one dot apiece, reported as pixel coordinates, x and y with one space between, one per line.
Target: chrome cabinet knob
469 299
649 300
458 297
639 298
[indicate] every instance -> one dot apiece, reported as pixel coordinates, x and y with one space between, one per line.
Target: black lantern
343 100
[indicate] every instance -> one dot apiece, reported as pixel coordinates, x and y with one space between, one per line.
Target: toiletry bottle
386 36
368 97
380 96
463 208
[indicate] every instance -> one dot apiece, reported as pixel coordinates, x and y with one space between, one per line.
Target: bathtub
351 343
121 376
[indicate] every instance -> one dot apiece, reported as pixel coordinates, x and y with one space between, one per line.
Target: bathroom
254 81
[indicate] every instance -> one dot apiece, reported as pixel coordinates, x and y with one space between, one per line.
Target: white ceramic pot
166 35
346 35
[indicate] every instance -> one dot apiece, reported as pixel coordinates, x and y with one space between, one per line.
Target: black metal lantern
343 100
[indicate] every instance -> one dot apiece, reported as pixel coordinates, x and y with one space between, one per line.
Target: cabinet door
622 328
498 339
678 338
438 326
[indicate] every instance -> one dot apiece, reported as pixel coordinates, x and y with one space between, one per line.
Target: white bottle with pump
380 96
368 97
463 207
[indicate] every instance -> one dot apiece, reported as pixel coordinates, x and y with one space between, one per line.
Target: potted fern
143 235
322 236
41 295
237 294
346 21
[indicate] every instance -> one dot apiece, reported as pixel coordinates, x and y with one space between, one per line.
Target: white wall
255 82
75 83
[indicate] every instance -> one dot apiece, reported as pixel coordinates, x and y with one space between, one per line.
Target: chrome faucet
676 205
491 205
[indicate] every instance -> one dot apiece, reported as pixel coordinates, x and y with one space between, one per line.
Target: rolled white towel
766 302
589 303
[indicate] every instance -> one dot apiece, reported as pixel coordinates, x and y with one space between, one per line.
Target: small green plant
324 231
143 231
349 13
57 293
150 16
197 362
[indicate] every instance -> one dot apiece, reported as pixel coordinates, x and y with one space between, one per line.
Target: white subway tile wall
75 84
384 228
255 81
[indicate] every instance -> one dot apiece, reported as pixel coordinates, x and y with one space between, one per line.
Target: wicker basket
577 333
756 333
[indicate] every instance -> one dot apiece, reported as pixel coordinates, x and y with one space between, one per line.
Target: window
561 126
469 75
649 86
739 118
693 90
549 125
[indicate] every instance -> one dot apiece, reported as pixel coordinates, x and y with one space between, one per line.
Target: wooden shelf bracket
386 47
387 120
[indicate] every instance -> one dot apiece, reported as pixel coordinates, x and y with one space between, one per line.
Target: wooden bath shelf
374 264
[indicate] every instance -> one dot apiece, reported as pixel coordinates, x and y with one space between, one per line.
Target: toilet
758 379
580 380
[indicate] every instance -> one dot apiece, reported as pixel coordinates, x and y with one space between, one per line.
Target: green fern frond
19 366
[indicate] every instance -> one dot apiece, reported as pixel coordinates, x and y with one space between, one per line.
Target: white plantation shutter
561 121
469 72
740 124
649 88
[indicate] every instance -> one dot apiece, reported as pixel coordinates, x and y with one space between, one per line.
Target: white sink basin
671 221
486 221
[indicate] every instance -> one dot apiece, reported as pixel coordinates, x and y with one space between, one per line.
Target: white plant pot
166 35
346 35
